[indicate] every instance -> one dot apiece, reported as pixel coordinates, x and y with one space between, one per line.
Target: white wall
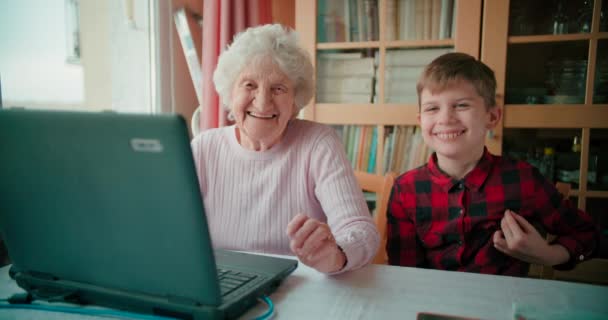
130 56
115 57
33 55
95 56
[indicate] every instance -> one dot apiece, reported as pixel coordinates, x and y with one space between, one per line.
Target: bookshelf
551 62
387 37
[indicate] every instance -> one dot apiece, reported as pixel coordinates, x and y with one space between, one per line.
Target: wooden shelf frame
465 38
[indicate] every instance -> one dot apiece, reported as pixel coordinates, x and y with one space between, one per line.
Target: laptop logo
146 145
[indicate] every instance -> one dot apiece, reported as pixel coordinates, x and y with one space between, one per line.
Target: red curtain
222 19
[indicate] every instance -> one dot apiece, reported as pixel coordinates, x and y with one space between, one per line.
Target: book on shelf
347 20
332 21
360 145
405 29
370 8
404 149
413 57
329 55
399 87
343 98
356 145
391 20
446 19
427 20
361 22
344 67
420 19
354 26
364 149
345 84
402 73
435 19
188 30
371 167
321 27
412 99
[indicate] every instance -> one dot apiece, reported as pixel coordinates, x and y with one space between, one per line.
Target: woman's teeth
260 116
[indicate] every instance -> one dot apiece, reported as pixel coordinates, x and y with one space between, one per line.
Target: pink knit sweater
250 196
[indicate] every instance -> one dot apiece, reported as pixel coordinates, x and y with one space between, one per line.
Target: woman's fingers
316 239
322 253
295 224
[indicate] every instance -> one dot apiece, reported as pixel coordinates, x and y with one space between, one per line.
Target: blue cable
270 311
89 312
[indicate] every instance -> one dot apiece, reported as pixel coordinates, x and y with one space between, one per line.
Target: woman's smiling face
263 102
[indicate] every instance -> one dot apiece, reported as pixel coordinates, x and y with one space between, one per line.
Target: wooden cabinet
551 62
386 24
550 58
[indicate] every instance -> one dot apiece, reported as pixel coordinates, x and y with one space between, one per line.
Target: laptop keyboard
231 280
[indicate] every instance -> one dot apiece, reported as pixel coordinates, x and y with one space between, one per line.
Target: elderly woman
272 183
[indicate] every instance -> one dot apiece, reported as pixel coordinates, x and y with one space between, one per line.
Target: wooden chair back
381 185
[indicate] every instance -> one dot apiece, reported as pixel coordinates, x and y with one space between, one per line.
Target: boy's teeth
448 135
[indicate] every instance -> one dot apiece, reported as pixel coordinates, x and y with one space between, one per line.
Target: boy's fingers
514 227
525 225
498 235
506 229
499 238
516 230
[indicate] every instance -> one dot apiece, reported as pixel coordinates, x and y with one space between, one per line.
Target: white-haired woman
273 183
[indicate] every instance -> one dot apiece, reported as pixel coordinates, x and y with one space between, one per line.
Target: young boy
469 210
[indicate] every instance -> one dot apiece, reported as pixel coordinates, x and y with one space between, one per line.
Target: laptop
105 209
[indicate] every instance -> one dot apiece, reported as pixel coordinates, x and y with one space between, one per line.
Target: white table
386 292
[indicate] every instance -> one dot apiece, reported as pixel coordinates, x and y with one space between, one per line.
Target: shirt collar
474 180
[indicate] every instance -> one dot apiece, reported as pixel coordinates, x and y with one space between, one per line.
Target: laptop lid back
107 199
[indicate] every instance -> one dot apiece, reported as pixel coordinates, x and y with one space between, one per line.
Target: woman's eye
279 90
462 105
249 85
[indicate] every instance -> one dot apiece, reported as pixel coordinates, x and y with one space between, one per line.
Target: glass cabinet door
347 20
600 95
555 73
550 17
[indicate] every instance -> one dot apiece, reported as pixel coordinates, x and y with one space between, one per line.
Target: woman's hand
519 239
314 244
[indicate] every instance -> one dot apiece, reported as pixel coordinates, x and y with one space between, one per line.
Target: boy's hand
519 239
314 244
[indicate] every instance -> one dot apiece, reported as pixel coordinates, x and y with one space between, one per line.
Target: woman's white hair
271 40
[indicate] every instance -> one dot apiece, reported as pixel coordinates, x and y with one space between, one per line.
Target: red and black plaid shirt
435 221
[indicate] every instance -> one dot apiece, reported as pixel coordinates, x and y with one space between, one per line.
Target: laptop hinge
42 275
183 301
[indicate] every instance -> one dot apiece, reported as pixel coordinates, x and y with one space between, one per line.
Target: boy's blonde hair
448 69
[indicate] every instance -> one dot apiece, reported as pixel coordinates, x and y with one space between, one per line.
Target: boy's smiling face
454 122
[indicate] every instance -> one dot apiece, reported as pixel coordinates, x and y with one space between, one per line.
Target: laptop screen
107 199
